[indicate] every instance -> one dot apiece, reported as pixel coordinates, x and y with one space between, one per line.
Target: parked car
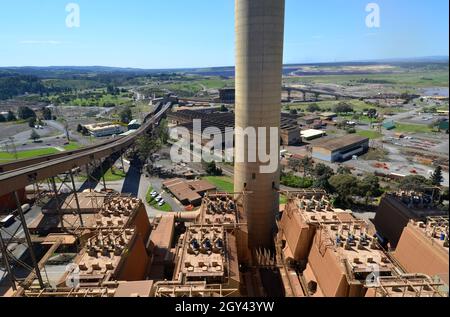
26 208
7 221
161 203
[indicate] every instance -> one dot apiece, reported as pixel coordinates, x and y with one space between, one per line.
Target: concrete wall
259 58
417 254
328 271
322 154
135 262
298 235
391 219
339 155
142 223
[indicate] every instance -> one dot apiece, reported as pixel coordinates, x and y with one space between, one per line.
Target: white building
104 129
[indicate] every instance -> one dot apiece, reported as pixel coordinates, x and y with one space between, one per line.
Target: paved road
73 136
18 250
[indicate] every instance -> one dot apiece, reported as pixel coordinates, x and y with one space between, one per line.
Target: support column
37 271
58 207
121 161
88 175
75 194
103 175
7 265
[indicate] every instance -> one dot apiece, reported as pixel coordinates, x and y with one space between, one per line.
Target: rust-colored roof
188 190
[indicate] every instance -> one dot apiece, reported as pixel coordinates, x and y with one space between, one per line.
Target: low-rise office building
188 192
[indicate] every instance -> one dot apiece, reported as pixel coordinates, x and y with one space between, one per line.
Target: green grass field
412 128
412 79
116 176
192 87
373 135
358 106
216 83
72 146
223 183
152 202
6 157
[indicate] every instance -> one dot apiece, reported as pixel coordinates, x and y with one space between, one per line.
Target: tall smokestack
259 61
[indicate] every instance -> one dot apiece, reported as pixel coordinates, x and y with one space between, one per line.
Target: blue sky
200 33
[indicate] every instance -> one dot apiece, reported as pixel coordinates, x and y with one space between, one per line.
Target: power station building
243 243
424 247
397 209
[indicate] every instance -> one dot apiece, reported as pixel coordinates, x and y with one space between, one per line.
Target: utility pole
14 148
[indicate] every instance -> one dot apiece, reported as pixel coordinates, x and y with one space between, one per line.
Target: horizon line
380 60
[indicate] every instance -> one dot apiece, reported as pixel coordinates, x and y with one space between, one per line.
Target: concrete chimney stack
259 61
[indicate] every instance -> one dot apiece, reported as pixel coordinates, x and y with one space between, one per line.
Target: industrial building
99 130
340 149
239 244
423 247
309 119
389 125
227 95
320 251
328 116
311 134
340 256
397 209
124 255
289 129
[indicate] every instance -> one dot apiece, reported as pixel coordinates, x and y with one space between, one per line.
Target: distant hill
71 72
